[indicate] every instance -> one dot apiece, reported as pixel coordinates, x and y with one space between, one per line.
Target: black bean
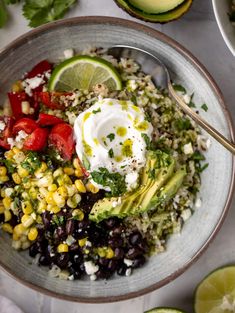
121 271
74 247
46 217
103 262
84 224
138 262
2 218
75 272
14 220
76 259
115 242
111 222
62 260
135 238
133 253
70 225
60 233
82 268
103 274
9 184
117 230
118 253
44 260
33 250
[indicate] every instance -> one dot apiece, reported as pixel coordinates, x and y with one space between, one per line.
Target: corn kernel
101 252
22 172
76 163
16 244
33 233
15 237
80 186
71 190
50 198
55 209
42 206
9 154
78 173
7 215
58 199
58 172
27 207
17 86
7 228
2 209
62 191
25 107
7 202
27 220
3 171
62 248
82 242
109 253
9 192
78 214
3 179
42 169
91 188
52 187
68 170
43 191
2 193
16 178
39 219
33 193
25 245
19 230
45 181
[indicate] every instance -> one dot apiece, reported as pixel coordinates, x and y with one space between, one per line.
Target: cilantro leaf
3 14
115 181
111 153
44 11
191 103
111 136
182 124
180 88
32 162
96 111
204 107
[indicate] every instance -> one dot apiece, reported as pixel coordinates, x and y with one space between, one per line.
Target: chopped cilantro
191 103
182 124
31 162
147 140
200 168
9 165
111 153
58 220
204 107
197 156
111 136
96 111
134 99
115 181
152 173
180 88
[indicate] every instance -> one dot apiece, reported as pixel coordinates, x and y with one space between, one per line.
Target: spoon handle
200 121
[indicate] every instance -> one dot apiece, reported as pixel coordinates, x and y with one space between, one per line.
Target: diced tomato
51 99
16 99
48 120
37 140
61 137
26 124
39 69
6 132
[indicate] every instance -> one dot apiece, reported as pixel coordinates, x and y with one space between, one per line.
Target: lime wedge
216 293
84 72
164 310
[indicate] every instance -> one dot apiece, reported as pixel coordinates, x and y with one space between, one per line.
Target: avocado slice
155 6
159 168
155 18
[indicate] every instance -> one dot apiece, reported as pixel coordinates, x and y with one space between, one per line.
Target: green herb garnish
182 124
180 88
96 111
111 153
9 165
31 162
204 107
111 136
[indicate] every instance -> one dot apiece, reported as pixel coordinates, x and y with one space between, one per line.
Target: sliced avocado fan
159 183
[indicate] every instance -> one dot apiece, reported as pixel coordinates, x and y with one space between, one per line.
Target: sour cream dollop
110 135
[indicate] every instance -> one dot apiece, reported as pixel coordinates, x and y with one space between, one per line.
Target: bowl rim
221 28
203 71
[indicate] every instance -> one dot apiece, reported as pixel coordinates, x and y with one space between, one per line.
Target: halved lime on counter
84 72
164 310
216 293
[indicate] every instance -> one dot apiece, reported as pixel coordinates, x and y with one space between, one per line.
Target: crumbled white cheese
68 53
71 116
11 142
198 203
32 83
116 203
188 149
88 243
2 125
186 214
9 191
128 272
20 136
128 262
93 277
90 267
186 98
131 180
70 240
132 85
34 216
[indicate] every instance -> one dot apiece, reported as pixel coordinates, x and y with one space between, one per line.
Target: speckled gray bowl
217 181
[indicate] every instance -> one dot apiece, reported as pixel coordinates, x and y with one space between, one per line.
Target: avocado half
155 18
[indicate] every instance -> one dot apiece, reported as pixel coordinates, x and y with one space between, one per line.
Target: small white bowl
221 10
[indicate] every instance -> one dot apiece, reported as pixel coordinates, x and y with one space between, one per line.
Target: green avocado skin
162 185
155 18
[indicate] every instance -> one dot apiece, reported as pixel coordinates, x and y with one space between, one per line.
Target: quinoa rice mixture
47 192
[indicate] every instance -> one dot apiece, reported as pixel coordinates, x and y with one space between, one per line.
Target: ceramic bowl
49 42
221 10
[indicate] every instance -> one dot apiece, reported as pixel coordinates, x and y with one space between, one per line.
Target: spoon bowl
152 65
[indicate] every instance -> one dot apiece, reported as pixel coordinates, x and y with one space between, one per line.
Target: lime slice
84 72
216 293
164 310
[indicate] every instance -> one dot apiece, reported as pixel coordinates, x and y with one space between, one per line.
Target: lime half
216 293
84 72
164 310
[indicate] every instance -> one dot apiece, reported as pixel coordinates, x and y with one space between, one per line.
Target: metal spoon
153 66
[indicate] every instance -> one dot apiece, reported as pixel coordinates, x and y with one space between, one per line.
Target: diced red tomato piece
39 69
26 124
51 99
61 137
37 140
6 132
16 99
48 120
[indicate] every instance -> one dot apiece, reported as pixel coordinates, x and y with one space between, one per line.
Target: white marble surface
199 33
